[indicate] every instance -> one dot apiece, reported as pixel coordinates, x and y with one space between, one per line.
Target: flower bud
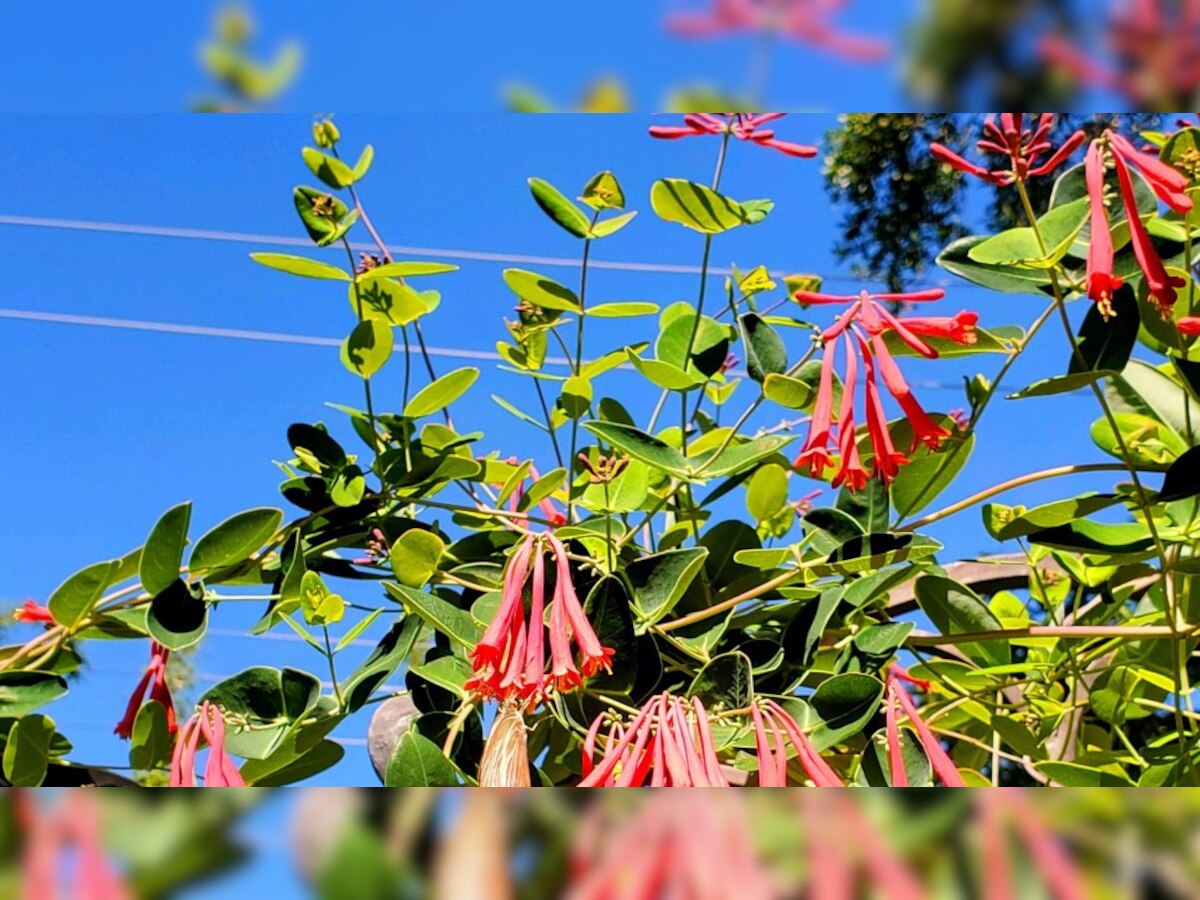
325 133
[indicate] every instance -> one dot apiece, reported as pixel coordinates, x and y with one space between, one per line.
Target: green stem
577 368
337 691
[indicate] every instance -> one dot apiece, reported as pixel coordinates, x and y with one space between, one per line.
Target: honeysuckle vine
752 591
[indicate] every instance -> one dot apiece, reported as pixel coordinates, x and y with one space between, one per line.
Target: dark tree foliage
900 206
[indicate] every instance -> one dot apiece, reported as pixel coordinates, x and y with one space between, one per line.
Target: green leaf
1005 525
364 163
1062 384
319 605
660 580
407 269
439 394
178 615
418 762
709 344
613 225
1085 536
737 458
996 340
325 217
1106 344
368 347
27 751
284 768
956 259
1078 775
929 472
1141 388
414 557
266 704
1020 247
331 171
457 624
765 350
388 301
696 207
556 205
843 704
954 609
1182 479
389 654
603 191
667 376
300 265
608 609
162 554
234 539
541 291
72 600
576 397
726 682
23 692
870 507
151 743
788 392
767 492
639 445
624 310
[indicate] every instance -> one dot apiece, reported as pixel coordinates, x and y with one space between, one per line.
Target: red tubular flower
899 701
1161 286
1169 186
1022 146
32 611
154 678
1101 282
668 744
207 725
1188 326
509 662
867 320
772 763
743 126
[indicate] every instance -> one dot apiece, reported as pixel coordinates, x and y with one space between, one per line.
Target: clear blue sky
107 427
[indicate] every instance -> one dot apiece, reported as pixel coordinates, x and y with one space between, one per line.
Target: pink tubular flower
1189 326
509 662
743 126
773 762
1023 147
798 20
50 836
207 725
32 611
549 511
898 701
863 325
668 744
154 678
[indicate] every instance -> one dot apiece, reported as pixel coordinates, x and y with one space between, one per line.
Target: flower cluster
509 661
668 744
773 762
743 126
208 724
672 845
1168 185
1023 147
798 20
899 702
154 678
861 330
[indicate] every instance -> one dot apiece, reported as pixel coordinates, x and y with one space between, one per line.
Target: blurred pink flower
1188 325
154 678
807 21
898 701
208 725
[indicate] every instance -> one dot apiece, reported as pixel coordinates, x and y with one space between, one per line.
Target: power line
241 237
53 318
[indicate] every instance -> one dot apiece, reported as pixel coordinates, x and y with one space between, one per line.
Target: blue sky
109 427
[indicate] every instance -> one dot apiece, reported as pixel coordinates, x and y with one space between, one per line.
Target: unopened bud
325 133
